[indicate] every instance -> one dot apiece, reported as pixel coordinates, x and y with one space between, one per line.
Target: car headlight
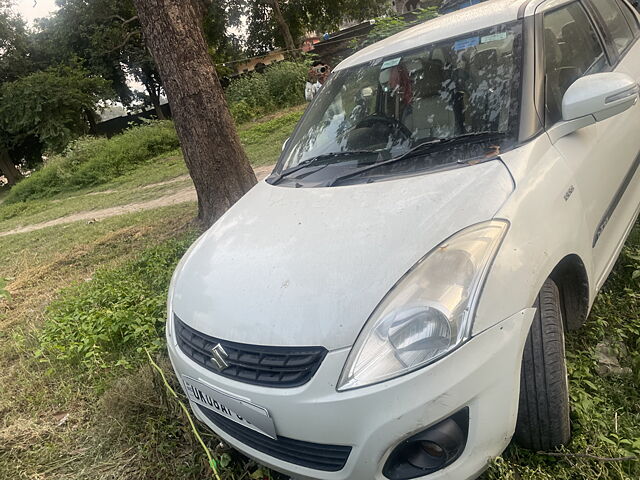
428 313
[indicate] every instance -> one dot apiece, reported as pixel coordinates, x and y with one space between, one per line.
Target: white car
391 302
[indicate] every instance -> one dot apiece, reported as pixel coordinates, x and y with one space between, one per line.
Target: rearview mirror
595 98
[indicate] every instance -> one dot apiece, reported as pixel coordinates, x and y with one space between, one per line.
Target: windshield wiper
319 160
421 149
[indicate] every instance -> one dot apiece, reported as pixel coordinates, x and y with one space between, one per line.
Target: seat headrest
552 52
432 83
571 31
486 58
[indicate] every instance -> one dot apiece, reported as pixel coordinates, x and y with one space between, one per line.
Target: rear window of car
616 23
631 17
571 49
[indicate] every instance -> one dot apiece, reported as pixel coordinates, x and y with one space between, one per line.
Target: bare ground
181 196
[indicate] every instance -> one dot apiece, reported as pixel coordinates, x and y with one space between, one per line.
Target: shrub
110 320
251 90
243 112
280 86
286 82
93 161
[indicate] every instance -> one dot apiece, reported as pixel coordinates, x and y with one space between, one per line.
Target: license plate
242 412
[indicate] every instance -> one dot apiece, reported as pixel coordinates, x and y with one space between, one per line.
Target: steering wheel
389 121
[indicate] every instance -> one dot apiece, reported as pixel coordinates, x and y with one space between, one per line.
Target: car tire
543 414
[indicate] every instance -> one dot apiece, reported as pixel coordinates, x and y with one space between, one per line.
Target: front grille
279 367
328 458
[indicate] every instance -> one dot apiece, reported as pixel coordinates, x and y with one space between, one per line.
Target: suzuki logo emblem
219 358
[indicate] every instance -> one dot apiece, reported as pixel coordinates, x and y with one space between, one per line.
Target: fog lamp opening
430 450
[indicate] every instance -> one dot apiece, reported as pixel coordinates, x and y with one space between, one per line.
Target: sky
32 9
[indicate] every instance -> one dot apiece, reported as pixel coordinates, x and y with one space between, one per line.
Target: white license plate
242 412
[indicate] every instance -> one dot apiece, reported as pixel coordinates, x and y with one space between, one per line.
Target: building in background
406 6
257 63
309 42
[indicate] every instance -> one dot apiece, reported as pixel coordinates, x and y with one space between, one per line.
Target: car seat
430 116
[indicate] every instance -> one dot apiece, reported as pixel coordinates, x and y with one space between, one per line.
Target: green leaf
225 460
258 474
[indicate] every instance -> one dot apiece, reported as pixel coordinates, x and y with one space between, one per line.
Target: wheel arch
570 275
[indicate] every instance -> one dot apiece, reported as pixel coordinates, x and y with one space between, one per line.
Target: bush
93 161
242 112
110 320
286 82
251 90
280 86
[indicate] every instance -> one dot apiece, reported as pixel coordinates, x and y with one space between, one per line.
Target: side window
571 49
615 22
631 17
635 4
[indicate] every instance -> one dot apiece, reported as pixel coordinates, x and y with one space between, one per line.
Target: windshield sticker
466 43
494 38
391 63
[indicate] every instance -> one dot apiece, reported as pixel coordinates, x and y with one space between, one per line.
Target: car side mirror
595 98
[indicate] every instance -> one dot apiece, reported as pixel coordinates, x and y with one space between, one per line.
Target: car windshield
456 89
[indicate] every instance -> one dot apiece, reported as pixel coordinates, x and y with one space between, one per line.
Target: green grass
135 187
110 321
262 141
94 161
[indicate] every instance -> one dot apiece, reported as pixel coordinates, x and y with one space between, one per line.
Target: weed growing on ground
97 334
263 141
110 320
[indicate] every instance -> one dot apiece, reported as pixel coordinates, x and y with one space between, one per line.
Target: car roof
476 17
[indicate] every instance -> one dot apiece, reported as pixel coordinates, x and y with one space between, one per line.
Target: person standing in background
318 74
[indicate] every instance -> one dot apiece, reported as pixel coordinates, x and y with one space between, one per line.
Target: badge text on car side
219 358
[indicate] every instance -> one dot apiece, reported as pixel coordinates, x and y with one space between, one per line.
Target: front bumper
483 374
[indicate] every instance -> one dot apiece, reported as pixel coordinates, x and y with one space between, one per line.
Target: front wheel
543 415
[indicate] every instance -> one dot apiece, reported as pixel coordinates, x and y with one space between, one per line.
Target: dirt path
181 196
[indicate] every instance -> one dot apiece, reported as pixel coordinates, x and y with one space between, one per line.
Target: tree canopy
52 106
15 45
303 16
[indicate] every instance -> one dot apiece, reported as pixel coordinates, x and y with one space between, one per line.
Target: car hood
307 266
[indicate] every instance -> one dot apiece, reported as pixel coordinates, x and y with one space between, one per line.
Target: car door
577 42
620 26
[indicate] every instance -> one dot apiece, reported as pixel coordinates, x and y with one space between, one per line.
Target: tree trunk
7 168
155 100
284 29
92 119
212 150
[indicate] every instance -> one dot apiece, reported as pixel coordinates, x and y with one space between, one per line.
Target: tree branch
132 19
125 41
122 19
589 456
